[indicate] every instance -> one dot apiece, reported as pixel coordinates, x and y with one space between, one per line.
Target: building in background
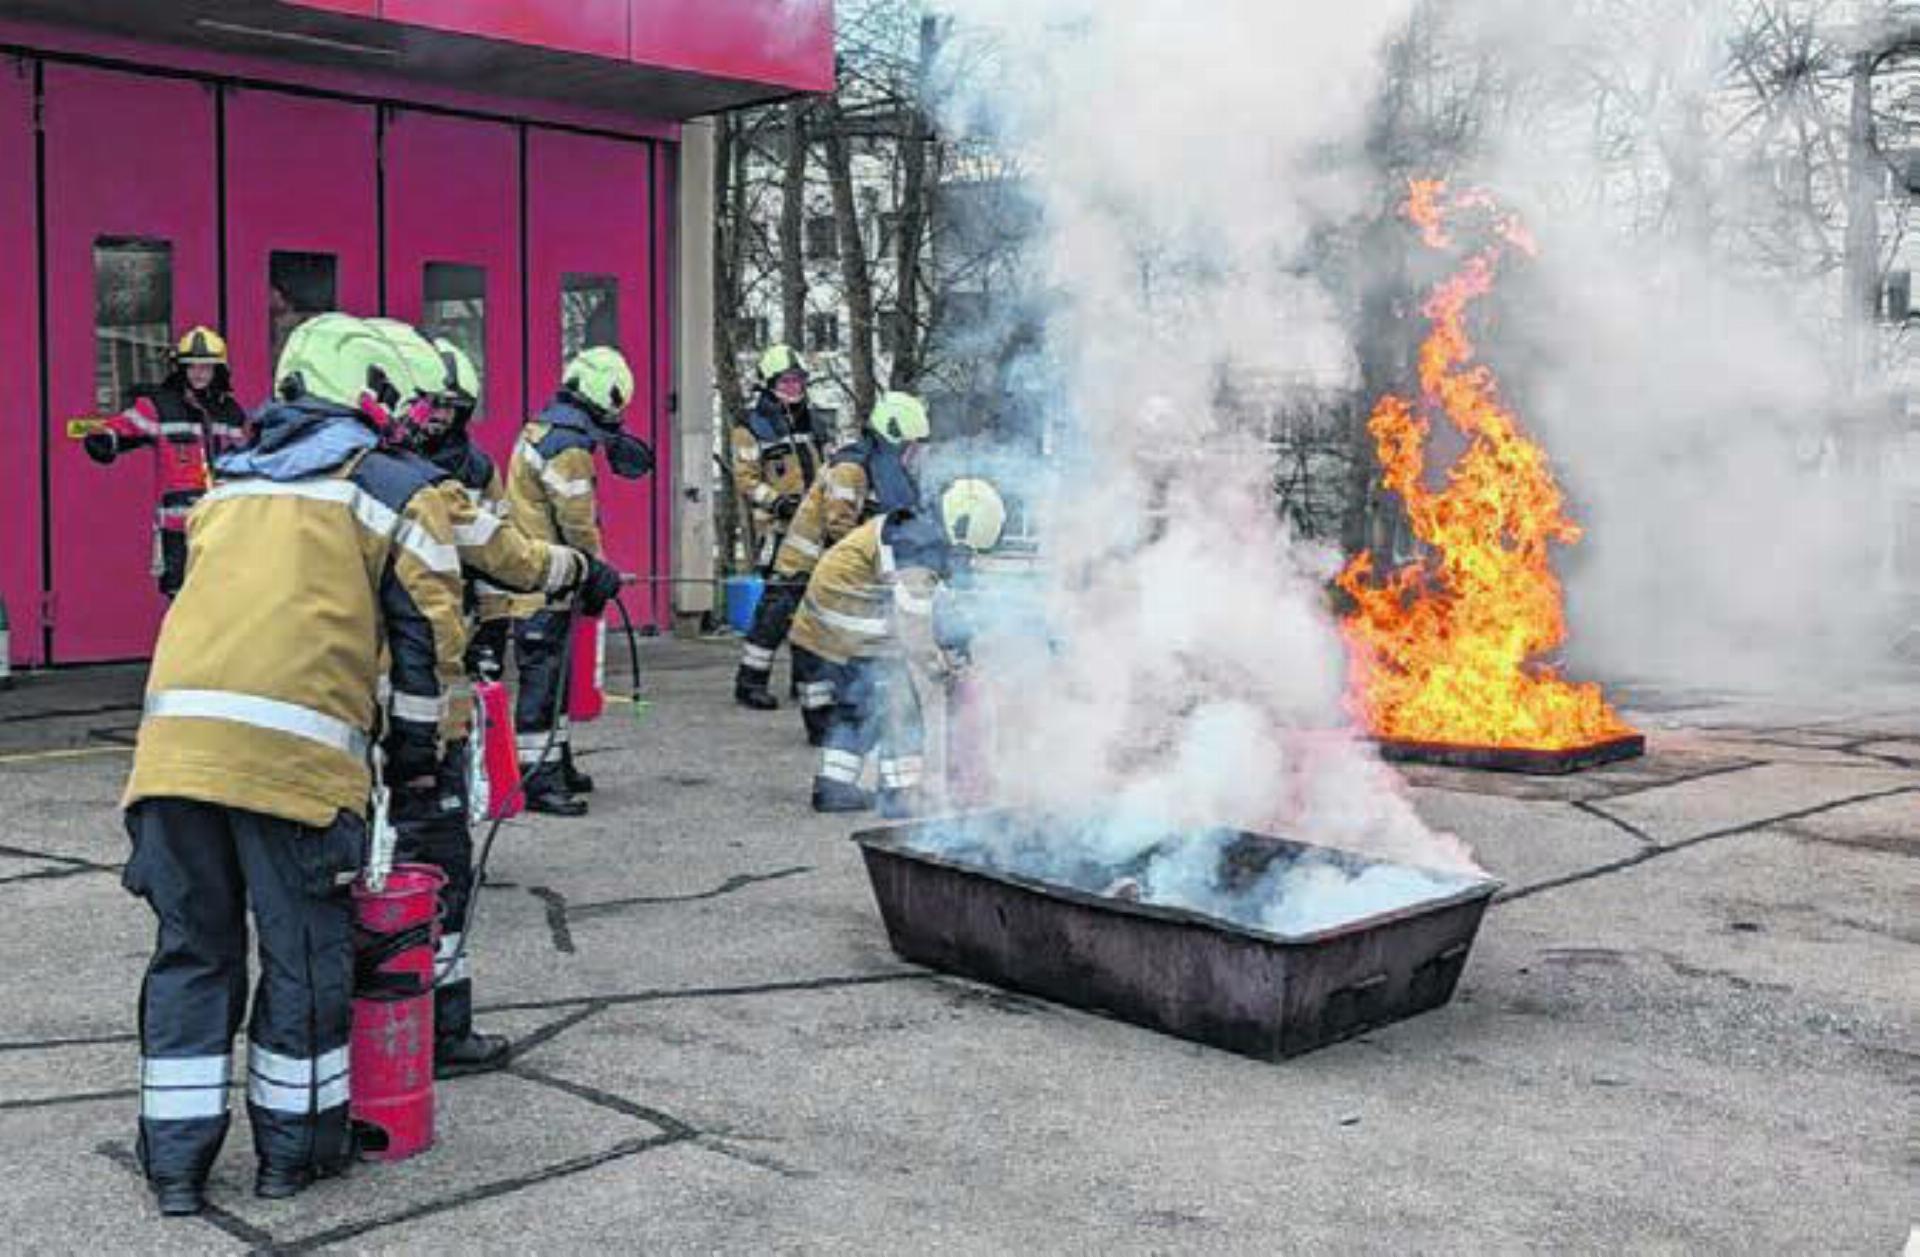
511 173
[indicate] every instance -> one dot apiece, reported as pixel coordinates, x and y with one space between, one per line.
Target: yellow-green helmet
901 418
463 378
601 378
974 514
345 362
425 367
778 360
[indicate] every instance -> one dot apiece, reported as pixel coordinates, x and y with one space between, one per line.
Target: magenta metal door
589 280
297 244
453 250
20 427
131 186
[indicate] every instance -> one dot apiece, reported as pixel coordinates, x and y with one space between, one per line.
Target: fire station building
513 174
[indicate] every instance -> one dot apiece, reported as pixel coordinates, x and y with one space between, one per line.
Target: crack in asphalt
1659 852
561 913
213 1215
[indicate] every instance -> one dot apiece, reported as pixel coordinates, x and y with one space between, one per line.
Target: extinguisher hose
452 962
513 796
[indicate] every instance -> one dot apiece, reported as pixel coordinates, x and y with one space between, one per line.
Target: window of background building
589 313
750 333
823 331
299 286
823 238
826 422
893 332
132 317
454 305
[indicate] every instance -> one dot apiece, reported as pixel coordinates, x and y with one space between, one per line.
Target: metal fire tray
1199 977
1502 759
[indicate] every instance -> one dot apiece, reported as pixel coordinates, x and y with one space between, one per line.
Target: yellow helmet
201 345
900 418
601 378
345 362
427 372
463 378
974 514
778 360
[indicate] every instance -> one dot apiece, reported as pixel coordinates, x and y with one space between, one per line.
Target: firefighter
776 452
873 476
189 419
434 824
869 609
551 496
450 447
321 568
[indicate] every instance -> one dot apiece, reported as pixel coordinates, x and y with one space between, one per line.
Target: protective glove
100 446
601 587
786 506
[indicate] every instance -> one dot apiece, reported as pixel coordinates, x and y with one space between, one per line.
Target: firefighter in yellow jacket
317 556
873 476
776 451
868 608
551 495
450 446
433 824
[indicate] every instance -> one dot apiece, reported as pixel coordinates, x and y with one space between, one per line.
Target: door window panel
299 286
589 313
454 305
132 317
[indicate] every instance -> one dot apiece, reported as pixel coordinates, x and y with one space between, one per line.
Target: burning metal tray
952 903
1502 759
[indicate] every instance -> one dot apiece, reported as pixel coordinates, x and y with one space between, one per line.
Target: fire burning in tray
1448 653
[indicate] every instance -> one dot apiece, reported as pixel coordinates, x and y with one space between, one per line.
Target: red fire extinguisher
396 910
494 789
587 685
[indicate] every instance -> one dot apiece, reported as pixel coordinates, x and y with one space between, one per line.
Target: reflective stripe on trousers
296 1085
184 1088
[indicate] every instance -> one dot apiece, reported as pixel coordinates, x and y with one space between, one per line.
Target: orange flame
1450 649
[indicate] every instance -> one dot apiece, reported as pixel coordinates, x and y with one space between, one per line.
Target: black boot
838 796
576 781
750 690
180 1199
547 794
470 1054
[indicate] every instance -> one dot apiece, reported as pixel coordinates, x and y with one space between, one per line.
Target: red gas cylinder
496 779
969 744
396 933
587 688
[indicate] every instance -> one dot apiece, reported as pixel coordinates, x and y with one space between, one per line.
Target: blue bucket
743 596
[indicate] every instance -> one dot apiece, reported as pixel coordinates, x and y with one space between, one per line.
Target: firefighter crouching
776 452
551 497
434 823
869 609
317 555
189 420
873 476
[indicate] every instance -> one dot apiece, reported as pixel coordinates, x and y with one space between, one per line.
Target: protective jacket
775 455
317 560
187 431
550 484
475 470
873 592
862 480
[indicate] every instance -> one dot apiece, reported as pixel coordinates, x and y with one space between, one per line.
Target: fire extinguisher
587 686
396 933
493 770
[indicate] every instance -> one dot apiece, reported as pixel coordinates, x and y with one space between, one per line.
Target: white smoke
1191 675
1683 362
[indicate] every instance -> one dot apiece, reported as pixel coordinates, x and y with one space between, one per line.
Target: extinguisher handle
380 850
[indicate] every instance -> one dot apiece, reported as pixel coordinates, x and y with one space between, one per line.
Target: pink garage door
453 250
20 429
131 257
590 282
299 243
